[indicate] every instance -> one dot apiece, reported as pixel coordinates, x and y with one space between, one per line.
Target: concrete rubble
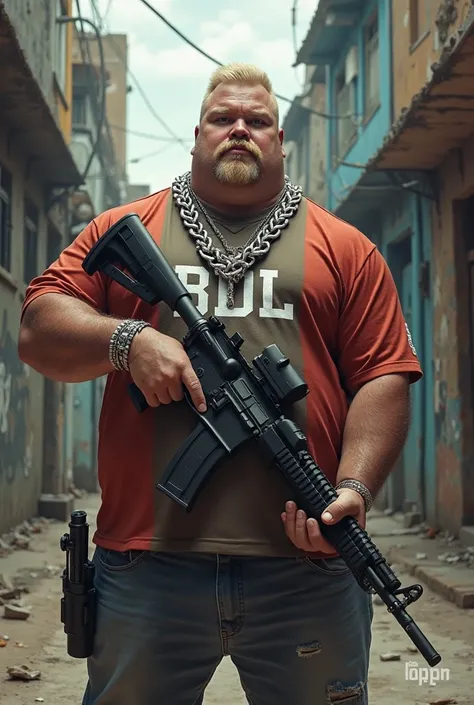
36 667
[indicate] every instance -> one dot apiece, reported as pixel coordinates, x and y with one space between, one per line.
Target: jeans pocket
120 560
335 566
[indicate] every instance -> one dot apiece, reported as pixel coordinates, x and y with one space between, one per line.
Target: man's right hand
160 367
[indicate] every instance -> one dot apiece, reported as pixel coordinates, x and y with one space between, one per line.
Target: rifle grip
137 397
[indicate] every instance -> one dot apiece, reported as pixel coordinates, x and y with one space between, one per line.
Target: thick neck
231 200
239 213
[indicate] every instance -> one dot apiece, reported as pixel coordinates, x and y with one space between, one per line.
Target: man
243 574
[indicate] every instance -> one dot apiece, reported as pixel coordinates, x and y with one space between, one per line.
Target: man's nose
240 130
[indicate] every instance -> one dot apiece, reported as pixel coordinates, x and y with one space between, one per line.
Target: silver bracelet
360 488
121 340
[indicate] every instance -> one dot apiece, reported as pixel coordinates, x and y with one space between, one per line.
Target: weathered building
94 149
353 42
115 53
435 136
36 167
304 126
401 171
420 29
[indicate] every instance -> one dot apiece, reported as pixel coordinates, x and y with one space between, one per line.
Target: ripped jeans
298 630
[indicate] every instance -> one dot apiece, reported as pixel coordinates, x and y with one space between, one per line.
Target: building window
79 110
420 20
346 129
415 29
5 219
372 66
60 46
30 242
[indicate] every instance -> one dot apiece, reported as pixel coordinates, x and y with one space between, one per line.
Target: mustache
238 144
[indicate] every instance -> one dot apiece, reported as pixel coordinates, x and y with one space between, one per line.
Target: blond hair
242 74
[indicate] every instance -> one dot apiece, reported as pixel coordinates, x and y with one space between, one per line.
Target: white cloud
174 76
223 39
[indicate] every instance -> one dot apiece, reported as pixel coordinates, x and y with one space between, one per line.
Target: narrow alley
39 642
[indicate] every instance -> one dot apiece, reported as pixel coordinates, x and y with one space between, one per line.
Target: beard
237 169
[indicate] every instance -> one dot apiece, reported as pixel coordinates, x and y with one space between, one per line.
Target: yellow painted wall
64 103
412 62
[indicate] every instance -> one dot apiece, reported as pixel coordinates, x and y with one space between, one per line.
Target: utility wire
101 105
143 94
294 10
136 160
146 135
106 11
186 39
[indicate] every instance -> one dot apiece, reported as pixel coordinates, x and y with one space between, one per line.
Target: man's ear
196 133
281 136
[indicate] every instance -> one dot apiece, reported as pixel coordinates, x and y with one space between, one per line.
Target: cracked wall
451 344
418 42
21 388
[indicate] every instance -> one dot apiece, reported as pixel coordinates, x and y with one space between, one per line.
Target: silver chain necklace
233 264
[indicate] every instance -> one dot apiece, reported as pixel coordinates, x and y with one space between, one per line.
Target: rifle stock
245 402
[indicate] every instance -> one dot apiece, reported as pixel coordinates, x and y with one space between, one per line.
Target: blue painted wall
85 420
370 134
406 236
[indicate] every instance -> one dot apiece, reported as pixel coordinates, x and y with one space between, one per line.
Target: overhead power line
144 96
219 63
146 135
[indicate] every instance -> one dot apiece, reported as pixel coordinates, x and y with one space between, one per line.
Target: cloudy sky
174 76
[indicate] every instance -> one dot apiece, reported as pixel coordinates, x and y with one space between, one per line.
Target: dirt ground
450 629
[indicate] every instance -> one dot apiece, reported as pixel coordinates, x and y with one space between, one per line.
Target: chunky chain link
233 264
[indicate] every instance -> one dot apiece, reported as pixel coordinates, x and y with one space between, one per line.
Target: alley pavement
397 673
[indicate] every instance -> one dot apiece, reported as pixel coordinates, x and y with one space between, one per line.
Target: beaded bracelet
121 340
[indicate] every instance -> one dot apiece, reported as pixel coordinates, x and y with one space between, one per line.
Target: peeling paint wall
22 427
317 167
87 405
36 30
33 23
305 145
415 49
372 125
453 401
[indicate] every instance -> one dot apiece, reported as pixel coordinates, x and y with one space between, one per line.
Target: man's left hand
305 534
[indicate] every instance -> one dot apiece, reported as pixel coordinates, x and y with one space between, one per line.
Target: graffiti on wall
15 417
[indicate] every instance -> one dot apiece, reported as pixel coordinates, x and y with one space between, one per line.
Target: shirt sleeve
66 275
373 337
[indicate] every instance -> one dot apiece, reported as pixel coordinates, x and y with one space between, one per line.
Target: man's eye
222 119
258 121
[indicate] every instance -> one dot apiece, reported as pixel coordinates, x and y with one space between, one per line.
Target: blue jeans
298 630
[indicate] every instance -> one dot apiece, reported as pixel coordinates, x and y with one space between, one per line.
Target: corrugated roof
323 40
441 115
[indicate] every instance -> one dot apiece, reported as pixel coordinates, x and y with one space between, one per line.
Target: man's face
238 135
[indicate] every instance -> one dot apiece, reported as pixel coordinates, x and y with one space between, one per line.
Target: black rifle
243 403
78 601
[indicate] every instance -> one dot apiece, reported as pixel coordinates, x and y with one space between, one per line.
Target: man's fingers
304 533
290 521
348 503
151 398
295 527
176 391
316 537
301 532
193 385
164 397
